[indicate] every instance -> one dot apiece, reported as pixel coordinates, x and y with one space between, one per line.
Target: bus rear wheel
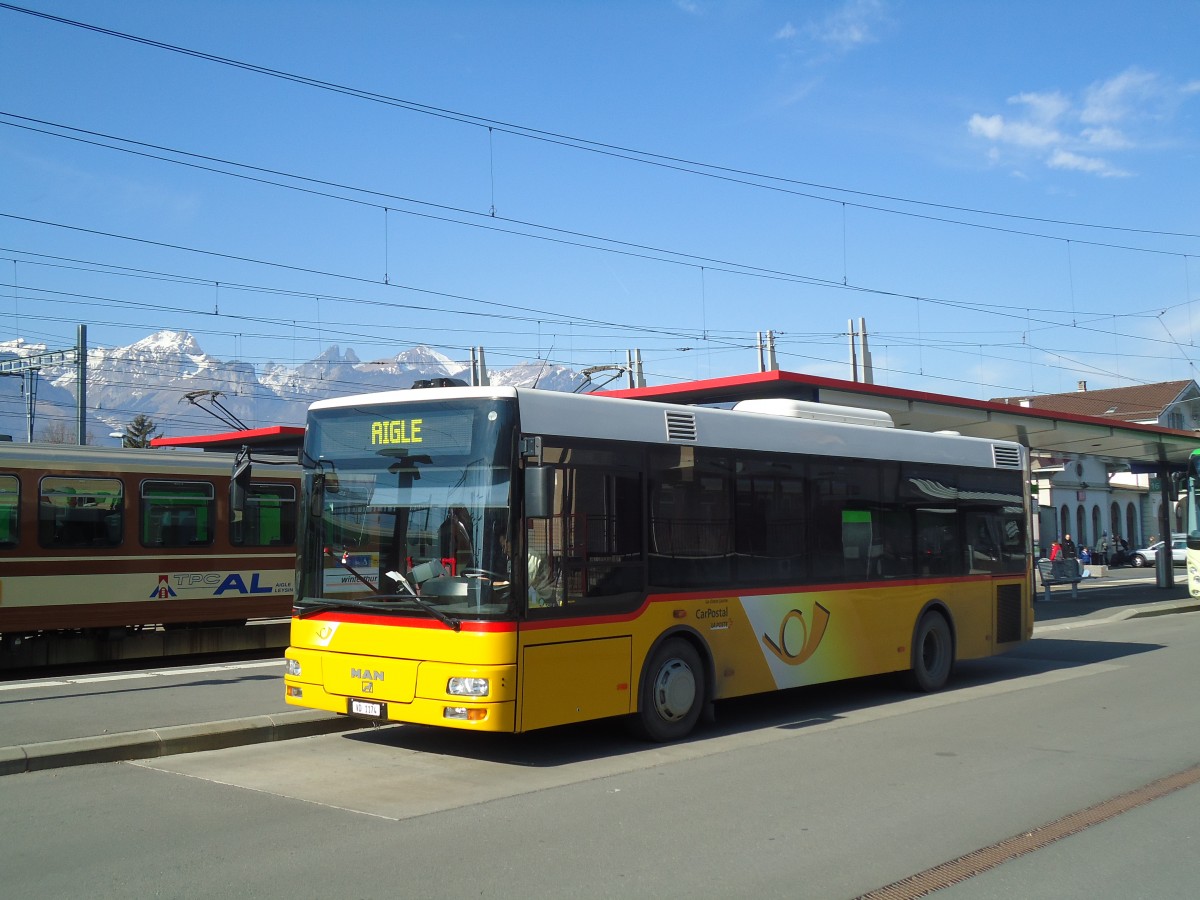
672 694
932 653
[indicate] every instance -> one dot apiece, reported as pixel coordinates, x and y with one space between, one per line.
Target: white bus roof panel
646 421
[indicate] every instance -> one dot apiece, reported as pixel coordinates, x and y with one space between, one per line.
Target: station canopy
1052 437
280 439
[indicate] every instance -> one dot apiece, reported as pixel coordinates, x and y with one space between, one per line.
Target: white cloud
787 32
854 24
1115 100
1045 108
1128 112
990 127
799 92
1106 137
1018 133
1065 159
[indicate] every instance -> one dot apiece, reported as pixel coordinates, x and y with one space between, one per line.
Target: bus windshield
409 509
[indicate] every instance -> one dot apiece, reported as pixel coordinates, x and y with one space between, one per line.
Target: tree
62 432
139 432
56 433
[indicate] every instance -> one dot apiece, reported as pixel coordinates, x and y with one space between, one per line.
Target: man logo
367 674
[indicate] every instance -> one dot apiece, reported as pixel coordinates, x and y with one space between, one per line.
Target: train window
80 512
178 513
269 519
10 497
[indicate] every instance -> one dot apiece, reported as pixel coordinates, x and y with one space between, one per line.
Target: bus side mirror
539 492
239 483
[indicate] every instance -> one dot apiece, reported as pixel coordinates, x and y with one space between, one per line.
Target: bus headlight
291 667
468 687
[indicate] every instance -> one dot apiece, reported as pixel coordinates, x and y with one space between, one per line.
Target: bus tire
932 653
672 693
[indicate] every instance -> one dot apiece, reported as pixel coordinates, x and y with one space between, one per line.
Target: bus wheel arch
675 688
933 649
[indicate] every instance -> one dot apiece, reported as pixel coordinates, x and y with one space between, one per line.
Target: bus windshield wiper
313 605
449 621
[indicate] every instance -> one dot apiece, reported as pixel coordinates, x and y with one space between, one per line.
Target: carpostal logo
793 652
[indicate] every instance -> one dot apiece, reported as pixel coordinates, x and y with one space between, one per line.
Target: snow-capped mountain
154 376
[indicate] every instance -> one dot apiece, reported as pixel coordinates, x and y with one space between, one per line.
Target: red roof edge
254 437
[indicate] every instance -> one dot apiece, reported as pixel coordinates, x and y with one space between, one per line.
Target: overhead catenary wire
615 325
187 279
709 170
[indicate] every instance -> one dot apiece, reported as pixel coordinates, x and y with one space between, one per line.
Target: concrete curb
1130 612
154 742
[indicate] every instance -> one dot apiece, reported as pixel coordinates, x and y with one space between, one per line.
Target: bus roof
641 421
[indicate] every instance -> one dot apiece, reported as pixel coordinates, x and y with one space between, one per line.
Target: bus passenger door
574 681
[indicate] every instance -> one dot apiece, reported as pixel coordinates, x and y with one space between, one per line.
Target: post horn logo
812 636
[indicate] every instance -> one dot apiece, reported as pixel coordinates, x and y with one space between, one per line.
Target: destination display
392 431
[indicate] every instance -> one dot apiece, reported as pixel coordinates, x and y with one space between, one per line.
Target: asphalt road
826 792
77 718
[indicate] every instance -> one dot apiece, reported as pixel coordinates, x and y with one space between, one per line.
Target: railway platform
54 721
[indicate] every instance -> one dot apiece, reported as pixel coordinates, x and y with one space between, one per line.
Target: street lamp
119 435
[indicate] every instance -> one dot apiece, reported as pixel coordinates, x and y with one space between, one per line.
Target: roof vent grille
681 426
1006 457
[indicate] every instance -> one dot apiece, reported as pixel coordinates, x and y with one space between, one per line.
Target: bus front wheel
672 694
932 653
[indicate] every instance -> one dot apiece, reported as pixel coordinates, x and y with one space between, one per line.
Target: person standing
1069 550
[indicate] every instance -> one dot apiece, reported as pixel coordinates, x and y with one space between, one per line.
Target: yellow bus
507 559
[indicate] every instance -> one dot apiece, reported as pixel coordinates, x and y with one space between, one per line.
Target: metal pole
81 382
1164 565
31 377
868 369
853 351
484 381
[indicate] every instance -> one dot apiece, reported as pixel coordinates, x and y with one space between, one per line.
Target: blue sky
1005 191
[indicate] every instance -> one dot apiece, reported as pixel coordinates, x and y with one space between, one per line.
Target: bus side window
841 528
691 517
769 521
589 552
10 504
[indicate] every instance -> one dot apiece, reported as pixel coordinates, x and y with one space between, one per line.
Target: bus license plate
370 709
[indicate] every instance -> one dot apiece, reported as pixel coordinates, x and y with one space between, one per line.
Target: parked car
1148 555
